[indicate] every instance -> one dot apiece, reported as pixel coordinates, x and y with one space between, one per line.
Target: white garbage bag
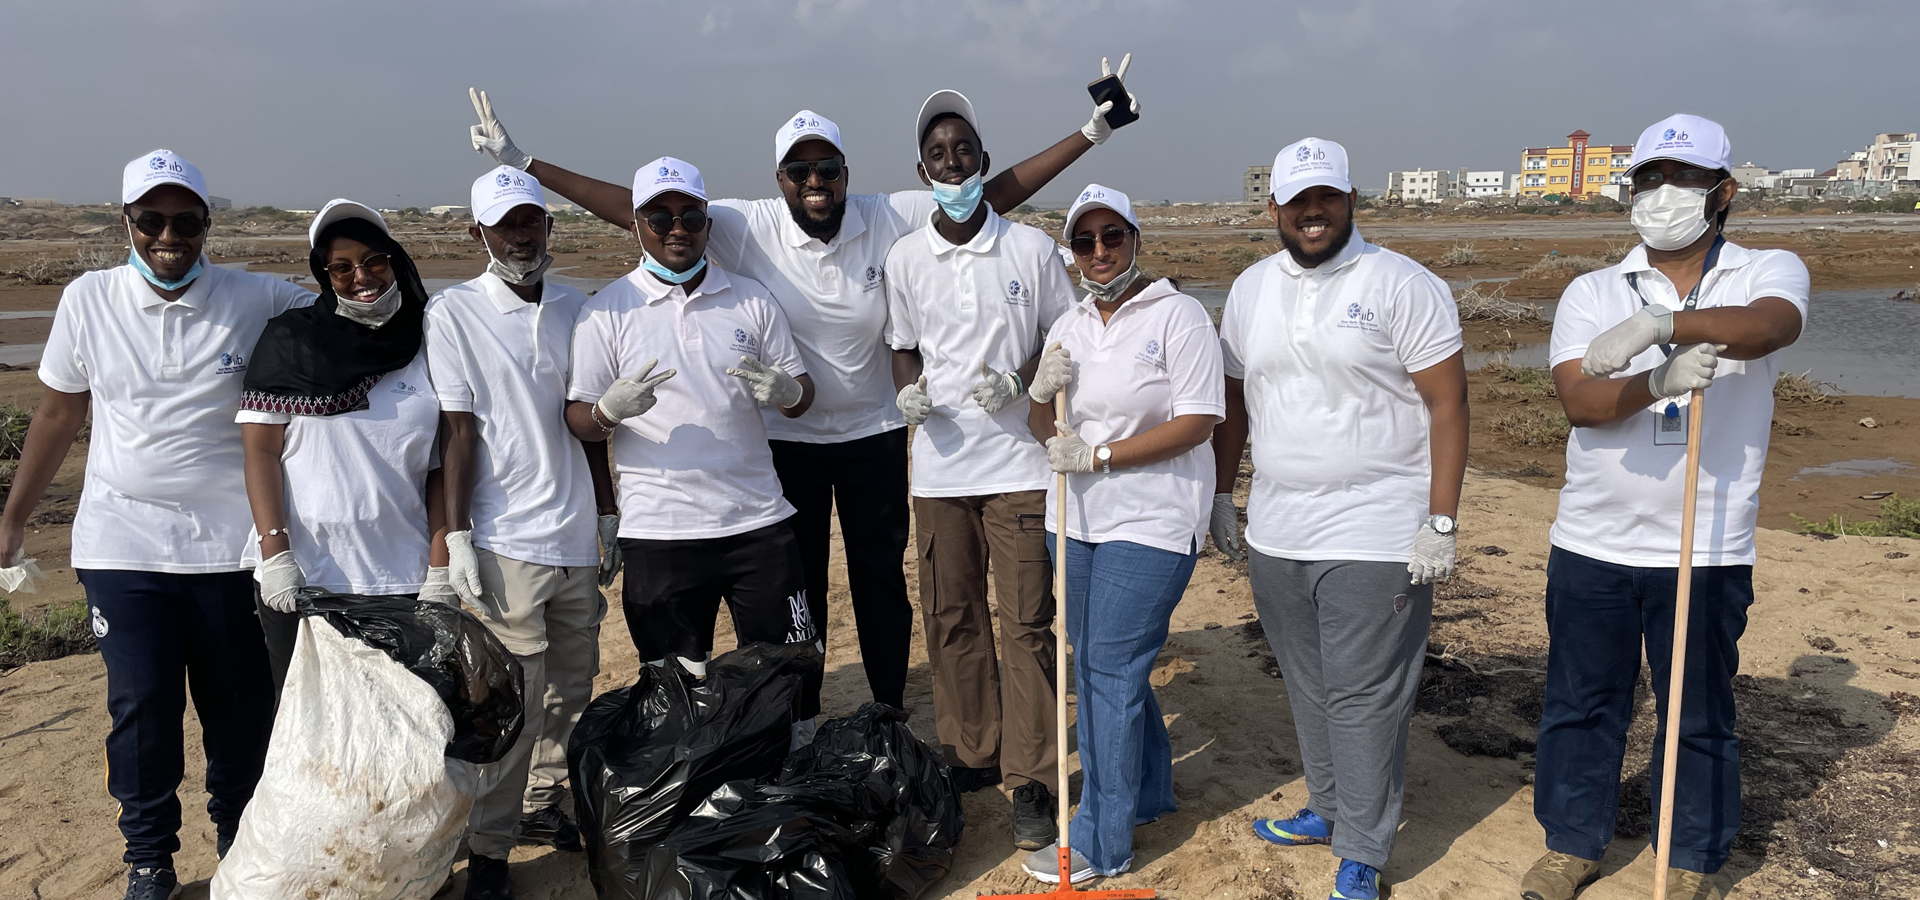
359 800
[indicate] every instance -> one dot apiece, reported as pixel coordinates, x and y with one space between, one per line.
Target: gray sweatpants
1350 638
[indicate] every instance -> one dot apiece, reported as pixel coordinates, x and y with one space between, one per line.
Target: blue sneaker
1306 827
1356 881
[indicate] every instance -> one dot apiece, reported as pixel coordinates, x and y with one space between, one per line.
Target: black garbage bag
643 757
448 648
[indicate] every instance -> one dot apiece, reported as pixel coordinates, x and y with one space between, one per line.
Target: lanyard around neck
1693 296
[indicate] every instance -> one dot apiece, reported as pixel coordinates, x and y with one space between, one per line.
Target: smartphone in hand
1109 88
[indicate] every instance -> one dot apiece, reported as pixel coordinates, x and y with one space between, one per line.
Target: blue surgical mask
959 201
663 273
140 265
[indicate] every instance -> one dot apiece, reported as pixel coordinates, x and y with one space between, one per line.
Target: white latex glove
1224 525
1097 130
490 137
21 576
995 390
463 566
280 580
1432 556
633 395
914 403
770 386
1616 347
1689 367
1055 373
438 589
610 561
1067 452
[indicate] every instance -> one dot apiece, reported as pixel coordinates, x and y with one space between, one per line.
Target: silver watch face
1103 452
1442 524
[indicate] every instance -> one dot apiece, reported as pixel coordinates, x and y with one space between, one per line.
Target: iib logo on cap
663 171
1303 154
159 163
503 180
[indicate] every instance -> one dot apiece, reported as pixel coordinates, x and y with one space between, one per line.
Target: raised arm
604 199
1018 184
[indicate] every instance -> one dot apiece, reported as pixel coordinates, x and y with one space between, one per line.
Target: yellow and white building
1579 170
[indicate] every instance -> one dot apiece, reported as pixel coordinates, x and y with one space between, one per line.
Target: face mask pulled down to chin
1671 217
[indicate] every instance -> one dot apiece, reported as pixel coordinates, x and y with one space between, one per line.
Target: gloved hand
1689 367
463 566
1067 452
490 137
1055 373
438 589
21 575
770 386
1432 555
995 390
914 403
633 395
1616 347
1224 525
280 580
610 561
1097 130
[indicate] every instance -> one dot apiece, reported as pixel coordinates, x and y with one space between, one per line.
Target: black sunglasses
1112 238
661 223
185 225
829 170
1650 178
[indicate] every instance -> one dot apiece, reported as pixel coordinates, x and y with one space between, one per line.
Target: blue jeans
1126 758
1598 616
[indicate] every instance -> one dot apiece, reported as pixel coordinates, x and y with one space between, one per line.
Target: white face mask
372 315
1670 217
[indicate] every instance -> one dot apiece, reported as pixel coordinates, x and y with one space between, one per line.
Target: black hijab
312 361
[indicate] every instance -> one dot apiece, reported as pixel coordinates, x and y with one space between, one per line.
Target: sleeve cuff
1200 409
456 404
1567 355
61 384
1429 360
258 417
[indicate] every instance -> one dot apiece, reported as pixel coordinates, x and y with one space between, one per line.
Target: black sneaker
152 883
487 879
966 780
551 827
1033 824
223 836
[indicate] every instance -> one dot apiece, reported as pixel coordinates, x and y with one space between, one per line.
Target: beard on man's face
1342 234
821 230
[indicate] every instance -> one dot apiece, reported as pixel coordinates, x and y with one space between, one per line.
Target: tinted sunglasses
376 265
1112 238
1648 179
661 223
829 170
185 225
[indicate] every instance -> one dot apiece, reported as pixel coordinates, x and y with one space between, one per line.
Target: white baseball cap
335 210
503 189
1689 139
805 125
940 104
1309 163
152 170
666 174
1099 197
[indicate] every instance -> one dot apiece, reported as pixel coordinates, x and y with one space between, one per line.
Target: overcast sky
293 103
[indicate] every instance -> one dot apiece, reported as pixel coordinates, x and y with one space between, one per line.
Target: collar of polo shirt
852 225
1356 244
655 290
980 244
196 292
503 297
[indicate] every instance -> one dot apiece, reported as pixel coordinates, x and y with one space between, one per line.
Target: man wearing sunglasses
1684 310
822 251
673 363
157 349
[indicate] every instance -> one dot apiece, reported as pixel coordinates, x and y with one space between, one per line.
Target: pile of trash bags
685 790
390 706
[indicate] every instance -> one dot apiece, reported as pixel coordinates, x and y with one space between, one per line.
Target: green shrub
60 631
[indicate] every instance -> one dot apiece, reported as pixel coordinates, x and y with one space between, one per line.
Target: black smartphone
1109 88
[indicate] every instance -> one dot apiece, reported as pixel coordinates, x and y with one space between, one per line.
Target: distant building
1750 176
1468 183
1259 184
448 210
219 202
562 206
1891 157
1853 168
1419 185
1577 170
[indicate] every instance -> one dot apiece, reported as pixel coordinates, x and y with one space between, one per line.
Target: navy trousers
1599 615
161 635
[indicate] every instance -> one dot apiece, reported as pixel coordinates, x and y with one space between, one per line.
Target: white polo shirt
834 304
505 361
697 465
992 298
1621 503
1158 358
356 486
164 490
1340 451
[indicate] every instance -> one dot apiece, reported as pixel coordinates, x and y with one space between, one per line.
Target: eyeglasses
376 265
1649 178
829 170
185 225
1112 238
661 223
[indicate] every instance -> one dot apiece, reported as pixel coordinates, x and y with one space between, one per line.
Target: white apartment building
1422 185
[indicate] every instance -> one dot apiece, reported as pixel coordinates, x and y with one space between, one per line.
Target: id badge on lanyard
1670 423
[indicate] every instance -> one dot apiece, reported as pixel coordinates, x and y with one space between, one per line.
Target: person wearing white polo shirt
1344 359
822 252
1685 309
673 363
968 301
1140 364
156 350
522 494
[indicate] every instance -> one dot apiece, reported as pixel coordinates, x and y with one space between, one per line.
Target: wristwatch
1103 455
1442 524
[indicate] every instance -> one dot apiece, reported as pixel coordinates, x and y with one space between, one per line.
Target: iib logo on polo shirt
874 274
1359 318
1018 294
744 342
407 390
230 363
1154 355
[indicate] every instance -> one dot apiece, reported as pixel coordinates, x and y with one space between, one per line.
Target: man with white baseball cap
673 363
522 491
822 251
1685 310
1344 360
157 350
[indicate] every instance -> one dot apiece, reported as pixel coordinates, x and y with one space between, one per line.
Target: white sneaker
803 732
1044 865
